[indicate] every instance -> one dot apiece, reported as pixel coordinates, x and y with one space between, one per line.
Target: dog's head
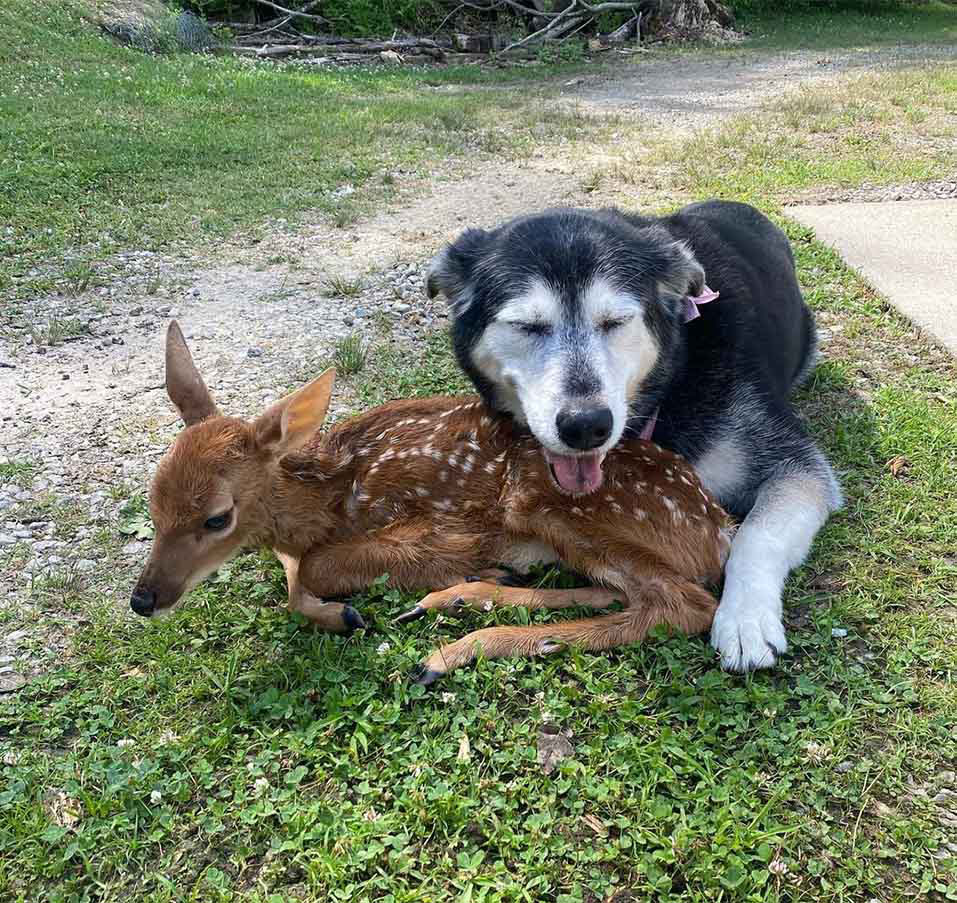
565 320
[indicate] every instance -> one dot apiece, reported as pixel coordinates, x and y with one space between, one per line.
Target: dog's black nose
143 601
584 430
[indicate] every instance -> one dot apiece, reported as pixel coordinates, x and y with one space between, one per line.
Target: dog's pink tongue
577 474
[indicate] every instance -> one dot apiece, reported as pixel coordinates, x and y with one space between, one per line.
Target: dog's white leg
774 538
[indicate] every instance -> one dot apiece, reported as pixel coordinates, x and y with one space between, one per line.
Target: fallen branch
294 13
347 48
568 19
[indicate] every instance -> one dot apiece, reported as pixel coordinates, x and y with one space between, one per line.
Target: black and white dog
582 325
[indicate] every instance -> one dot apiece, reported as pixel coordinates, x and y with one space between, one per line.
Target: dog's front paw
747 638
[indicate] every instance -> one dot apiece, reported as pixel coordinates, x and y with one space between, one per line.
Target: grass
232 754
933 22
18 471
336 286
350 354
103 148
870 128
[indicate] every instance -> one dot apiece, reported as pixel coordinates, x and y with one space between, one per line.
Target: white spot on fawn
422 491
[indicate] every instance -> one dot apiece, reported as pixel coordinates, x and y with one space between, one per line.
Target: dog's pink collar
690 312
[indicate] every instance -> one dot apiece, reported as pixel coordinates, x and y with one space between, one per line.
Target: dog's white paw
747 638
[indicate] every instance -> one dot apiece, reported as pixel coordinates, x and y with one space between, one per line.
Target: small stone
132 548
945 796
7 540
10 683
838 632
16 636
85 565
254 352
136 311
843 767
402 308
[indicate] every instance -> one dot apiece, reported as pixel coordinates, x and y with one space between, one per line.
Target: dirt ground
91 416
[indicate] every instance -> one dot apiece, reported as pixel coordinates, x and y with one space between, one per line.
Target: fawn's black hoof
352 619
424 676
413 614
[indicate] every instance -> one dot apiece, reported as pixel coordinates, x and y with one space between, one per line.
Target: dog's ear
680 272
451 269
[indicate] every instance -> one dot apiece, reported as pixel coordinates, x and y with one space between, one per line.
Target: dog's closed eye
534 327
610 324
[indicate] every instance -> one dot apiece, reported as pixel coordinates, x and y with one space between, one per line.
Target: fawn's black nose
584 430
143 601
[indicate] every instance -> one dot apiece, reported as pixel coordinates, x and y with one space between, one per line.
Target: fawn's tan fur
432 491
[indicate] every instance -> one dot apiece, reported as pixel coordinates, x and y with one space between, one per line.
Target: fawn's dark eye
219 522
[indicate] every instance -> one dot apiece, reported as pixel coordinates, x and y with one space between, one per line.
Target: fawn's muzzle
143 601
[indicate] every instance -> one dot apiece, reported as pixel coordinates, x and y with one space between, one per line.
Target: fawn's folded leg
484 596
333 617
687 607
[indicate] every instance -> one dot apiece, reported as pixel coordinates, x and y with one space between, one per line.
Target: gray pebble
843 767
839 632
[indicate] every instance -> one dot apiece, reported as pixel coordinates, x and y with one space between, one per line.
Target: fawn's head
208 496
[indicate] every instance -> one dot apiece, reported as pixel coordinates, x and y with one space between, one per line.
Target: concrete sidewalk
906 249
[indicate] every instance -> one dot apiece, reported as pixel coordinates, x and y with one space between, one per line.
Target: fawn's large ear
184 385
680 273
450 271
292 421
